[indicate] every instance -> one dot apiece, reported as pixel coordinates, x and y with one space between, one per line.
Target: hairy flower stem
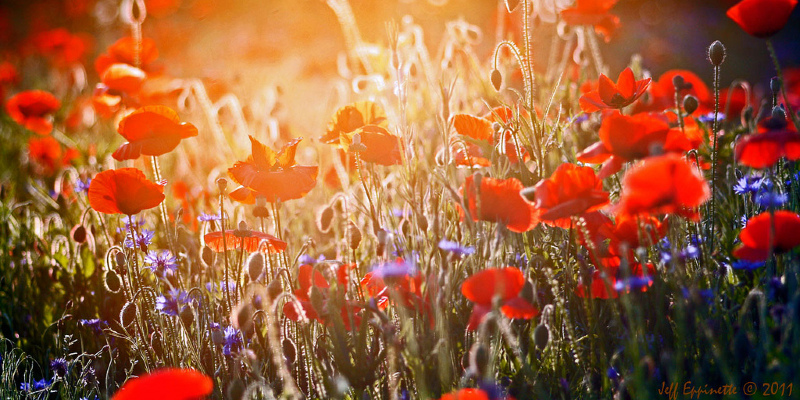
225 289
278 226
778 71
375 224
165 215
528 48
713 219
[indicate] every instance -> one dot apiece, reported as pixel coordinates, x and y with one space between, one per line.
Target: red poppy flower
762 18
614 95
8 74
167 384
777 138
308 277
595 13
251 242
481 135
506 283
626 138
466 394
105 102
46 152
151 131
661 93
368 120
123 78
407 289
663 185
123 51
123 191
499 201
32 109
757 236
272 175
571 190
62 47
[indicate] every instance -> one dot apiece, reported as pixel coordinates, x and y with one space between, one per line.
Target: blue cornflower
59 367
307 259
771 199
394 269
144 238
690 252
82 186
137 222
708 118
633 283
37 385
793 179
233 341
163 263
96 324
455 248
211 287
747 265
748 184
612 373
172 304
209 217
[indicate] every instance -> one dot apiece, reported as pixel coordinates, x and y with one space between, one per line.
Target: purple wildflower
457 249
163 263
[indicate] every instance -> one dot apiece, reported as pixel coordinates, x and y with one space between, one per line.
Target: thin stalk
712 221
778 71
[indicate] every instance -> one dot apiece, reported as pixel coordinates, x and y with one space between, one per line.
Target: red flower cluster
481 135
33 109
776 138
595 13
506 284
310 279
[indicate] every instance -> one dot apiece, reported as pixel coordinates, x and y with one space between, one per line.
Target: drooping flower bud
255 265
325 219
541 336
353 235
690 104
127 316
78 233
497 79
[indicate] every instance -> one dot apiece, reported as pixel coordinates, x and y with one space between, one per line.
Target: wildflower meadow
399 199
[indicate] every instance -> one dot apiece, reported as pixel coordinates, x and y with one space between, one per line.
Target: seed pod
779 113
497 79
255 265
690 104
747 115
716 53
222 184
260 212
128 314
325 219
541 336
187 316
775 85
678 82
479 358
78 233
119 257
289 351
111 281
353 235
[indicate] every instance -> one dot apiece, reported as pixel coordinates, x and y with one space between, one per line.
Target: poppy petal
505 282
168 383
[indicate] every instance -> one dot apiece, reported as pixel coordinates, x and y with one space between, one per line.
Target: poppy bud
255 265
479 358
747 115
690 104
112 282
127 316
119 257
497 79
325 219
289 351
317 301
222 184
242 318
541 336
678 82
779 113
775 85
496 127
353 235
187 317
274 289
207 256
78 233
716 53
422 222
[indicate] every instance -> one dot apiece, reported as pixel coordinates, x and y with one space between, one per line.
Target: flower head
499 201
33 110
593 12
614 95
168 383
502 283
151 131
162 262
762 18
757 235
124 191
571 190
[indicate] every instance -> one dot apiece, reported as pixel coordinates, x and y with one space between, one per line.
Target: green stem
778 70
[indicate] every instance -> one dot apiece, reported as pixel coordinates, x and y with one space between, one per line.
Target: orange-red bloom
167 384
308 277
663 185
757 236
626 138
123 191
123 78
250 241
33 109
62 47
777 138
481 135
46 153
762 18
571 190
466 394
505 283
272 175
593 12
123 51
151 131
614 95
499 201
368 120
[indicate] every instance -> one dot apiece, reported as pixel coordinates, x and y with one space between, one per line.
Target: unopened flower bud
127 316
325 219
716 53
78 233
274 289
353 235
222 184
289 351
112 283
208 256
775 85
119 257
541 336
497 79
678 82
690 104
255 265
479 358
